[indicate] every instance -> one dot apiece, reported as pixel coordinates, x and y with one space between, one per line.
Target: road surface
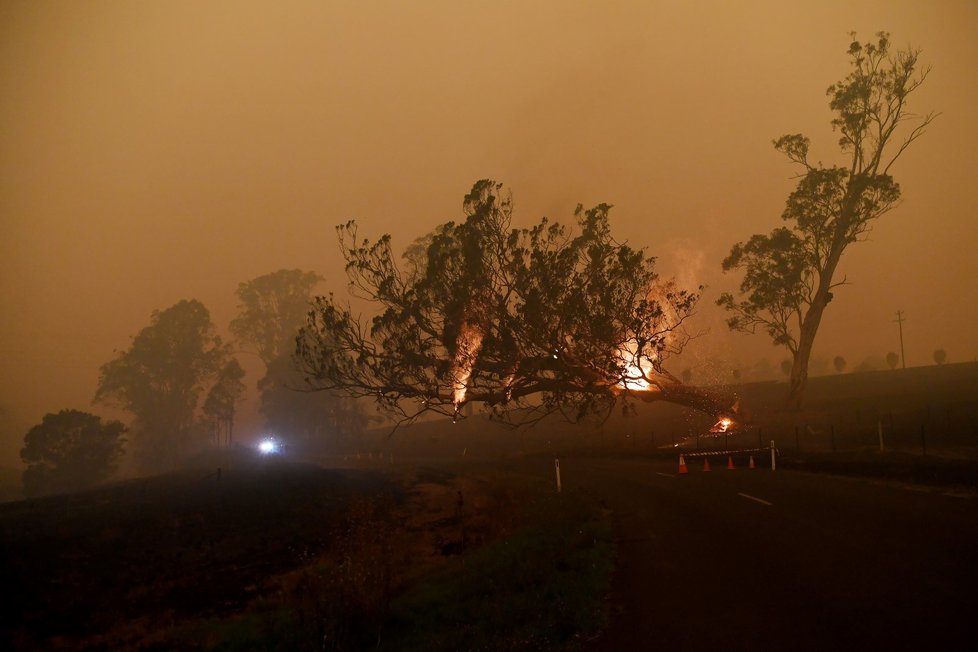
755 559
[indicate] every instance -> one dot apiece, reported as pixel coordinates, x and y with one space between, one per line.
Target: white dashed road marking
755 499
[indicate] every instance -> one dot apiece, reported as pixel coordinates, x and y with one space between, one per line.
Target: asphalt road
755 559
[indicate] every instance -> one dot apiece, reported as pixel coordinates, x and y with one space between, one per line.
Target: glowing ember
723 425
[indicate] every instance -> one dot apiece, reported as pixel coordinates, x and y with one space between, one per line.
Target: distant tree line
182 384
70 450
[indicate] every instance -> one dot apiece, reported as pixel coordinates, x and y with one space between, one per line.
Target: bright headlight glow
268 446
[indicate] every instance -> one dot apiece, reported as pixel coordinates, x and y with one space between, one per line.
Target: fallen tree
526 322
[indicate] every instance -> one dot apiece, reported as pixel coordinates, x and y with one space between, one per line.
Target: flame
723 425
633 379
466 351
636 372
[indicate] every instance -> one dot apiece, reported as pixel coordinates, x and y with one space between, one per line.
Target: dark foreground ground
285 556
110 566
278 555
844 547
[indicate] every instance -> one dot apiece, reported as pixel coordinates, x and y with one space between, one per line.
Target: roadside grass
519 568
543 588
336 601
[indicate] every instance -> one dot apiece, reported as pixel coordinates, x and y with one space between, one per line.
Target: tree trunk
716 403
799 368
809 328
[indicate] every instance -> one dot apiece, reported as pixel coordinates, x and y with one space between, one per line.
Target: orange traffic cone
706 464
730 466
682 466
751 465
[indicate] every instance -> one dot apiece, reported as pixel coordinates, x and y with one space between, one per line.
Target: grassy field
281 556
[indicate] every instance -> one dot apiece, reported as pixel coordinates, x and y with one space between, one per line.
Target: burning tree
527 322
789 274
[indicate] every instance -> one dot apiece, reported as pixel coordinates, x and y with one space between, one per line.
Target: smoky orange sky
157 151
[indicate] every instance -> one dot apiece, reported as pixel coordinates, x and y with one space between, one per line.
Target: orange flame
636 372
723 425
466 351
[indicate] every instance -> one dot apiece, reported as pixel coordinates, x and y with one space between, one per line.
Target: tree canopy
789 274
222 401
893 359
160 377
839 363
69 451
526 321
271 310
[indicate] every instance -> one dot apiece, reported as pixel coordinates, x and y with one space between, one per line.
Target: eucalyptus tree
271 309
159 380
70 450
789 275
222 401
525 321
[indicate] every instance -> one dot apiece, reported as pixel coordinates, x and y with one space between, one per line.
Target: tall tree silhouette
790 274
159 380
70 450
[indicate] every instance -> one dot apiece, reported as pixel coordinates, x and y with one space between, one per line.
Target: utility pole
899 320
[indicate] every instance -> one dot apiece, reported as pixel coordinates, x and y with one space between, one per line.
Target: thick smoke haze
153 152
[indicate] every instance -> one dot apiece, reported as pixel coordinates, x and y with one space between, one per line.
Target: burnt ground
266 554
155 551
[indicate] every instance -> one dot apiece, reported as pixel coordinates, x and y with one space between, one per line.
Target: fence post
557 469
773 466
